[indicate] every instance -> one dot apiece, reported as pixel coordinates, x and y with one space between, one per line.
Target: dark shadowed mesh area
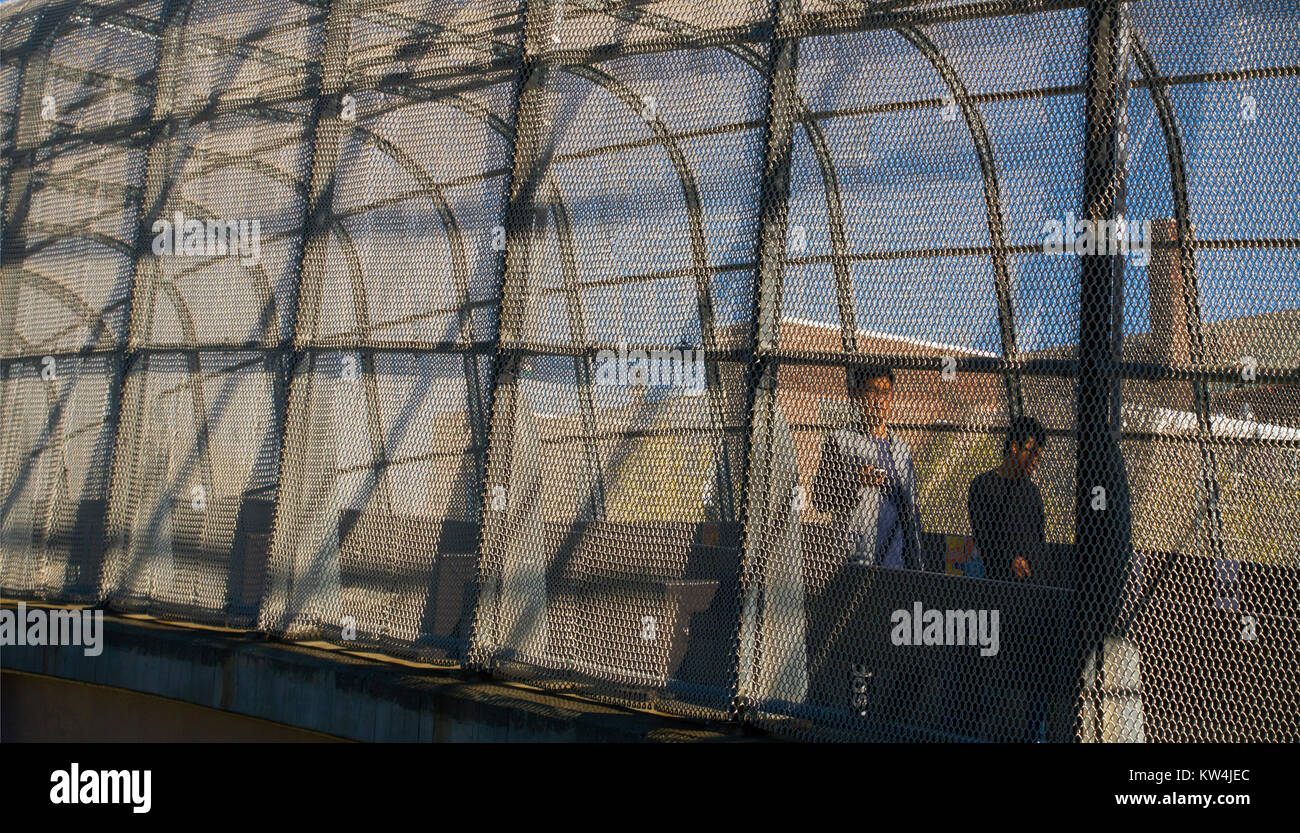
854 369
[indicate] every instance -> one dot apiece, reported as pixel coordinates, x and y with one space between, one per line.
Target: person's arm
1038 559
832 490
972 501
913 530
978 508
1039 517
1029 531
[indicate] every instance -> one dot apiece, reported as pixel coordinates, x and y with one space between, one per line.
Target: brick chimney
1167 296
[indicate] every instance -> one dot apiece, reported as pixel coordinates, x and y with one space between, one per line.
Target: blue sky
909 177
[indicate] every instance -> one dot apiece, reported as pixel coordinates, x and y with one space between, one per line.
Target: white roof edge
933 345
1176 421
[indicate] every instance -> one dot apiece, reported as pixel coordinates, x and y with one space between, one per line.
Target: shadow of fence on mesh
522 336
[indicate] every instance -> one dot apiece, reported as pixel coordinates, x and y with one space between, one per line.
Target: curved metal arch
261 283
65 296
39 44
1191 288
175 12
58 232
460 264
992 207
105 86
375 431
42 49
38 47
979 136
215 160
478 112
460 267
835 211
703 290
622 93
461 275
390 51
223 160
433 190
370 387
581 363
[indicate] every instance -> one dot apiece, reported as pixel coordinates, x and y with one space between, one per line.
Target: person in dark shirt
1006 521
1006 508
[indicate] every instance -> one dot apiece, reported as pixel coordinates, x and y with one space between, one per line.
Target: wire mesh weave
858 369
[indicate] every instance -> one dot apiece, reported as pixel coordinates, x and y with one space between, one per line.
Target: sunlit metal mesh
389 420
856 369
195 485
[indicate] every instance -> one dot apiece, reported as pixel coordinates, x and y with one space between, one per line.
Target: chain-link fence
858 369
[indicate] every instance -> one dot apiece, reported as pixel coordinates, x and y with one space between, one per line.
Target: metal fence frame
1104 539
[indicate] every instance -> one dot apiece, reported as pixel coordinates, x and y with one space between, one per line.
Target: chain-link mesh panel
592 27
73 175
387 442
1209 626
55 459
612 537
61 252
18 33
219 253
226 226
379 548
862 369
909 299
191 509
80 178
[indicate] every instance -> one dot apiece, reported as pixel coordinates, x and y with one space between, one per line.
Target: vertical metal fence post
159 124
25 134
324 136
153 193
765 336
21 141
1103 534
157 180
521 219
